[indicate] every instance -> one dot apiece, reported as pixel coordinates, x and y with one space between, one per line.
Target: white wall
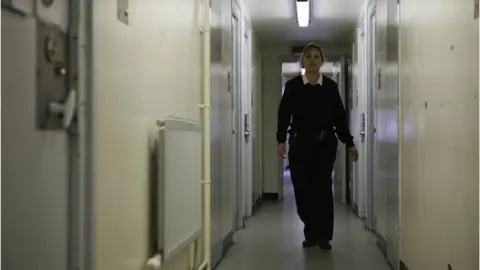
439 134
271 93
131 90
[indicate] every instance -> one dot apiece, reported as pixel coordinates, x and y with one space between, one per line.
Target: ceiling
331 20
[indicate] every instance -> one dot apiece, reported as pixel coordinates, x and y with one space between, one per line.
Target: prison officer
312 107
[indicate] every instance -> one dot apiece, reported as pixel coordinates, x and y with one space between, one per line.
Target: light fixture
303 12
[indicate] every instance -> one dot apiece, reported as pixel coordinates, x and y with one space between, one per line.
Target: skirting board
256 206
382 244
227 243
217 252
403 266
355 209
267 196
222 248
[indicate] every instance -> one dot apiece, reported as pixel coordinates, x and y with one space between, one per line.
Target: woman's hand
354 153
281 148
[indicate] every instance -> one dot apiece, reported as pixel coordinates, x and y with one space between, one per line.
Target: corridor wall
439 134
145 71
425 174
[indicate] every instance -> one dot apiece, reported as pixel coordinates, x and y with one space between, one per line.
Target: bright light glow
303 13
303 71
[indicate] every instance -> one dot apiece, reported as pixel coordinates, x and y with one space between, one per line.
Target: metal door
355 120
247 146
340 166
350 113
371 119
393 57
362 108
220 140
237 122
43 159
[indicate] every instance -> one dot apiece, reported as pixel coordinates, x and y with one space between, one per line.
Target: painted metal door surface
350 113
247 146
371 117
390 142
340 165
220 89
38 153
237 120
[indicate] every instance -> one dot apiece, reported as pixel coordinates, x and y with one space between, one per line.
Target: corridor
273 240
139 135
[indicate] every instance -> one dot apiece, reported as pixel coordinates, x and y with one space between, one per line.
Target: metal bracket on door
56 103
19 7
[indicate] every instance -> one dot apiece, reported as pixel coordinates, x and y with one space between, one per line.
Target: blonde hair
308 48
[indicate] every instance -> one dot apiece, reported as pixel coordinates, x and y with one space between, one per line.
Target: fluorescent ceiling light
303 12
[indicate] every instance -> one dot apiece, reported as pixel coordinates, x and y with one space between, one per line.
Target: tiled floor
272 241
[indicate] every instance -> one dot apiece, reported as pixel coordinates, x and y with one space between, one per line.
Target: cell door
247 145
349 108
42 143
237 122
339 176
371 120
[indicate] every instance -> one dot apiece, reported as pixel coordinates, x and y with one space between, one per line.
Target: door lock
362 128
246 124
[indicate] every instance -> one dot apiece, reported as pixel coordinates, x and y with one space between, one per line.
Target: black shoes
323 245
308 244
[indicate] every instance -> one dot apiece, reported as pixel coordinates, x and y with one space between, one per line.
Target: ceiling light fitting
303 12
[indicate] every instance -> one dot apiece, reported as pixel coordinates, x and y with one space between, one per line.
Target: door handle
65 109
247 135
362 135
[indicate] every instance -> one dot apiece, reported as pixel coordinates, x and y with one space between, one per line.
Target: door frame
371 114
81 147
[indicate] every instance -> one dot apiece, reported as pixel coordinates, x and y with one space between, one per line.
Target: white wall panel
439 134
143 72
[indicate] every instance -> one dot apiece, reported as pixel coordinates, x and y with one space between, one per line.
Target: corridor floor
272 240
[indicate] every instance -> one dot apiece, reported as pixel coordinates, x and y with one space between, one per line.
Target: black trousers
311 166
